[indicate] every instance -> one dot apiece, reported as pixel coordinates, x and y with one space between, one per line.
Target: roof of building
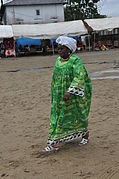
33 2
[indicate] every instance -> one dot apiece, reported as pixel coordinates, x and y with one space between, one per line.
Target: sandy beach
24 120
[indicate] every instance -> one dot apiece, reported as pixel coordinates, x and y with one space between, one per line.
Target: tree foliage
81 9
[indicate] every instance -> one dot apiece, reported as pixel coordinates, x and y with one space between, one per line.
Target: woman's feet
54 148
50 149
85 139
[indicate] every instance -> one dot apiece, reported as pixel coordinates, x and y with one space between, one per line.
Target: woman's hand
66 96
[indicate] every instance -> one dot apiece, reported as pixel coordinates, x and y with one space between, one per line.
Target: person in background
101 46
71 92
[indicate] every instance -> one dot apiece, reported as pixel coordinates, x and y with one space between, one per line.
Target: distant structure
33 12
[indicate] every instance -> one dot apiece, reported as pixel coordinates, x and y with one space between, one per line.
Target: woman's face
63 51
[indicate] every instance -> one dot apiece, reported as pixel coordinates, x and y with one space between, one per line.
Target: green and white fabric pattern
69 120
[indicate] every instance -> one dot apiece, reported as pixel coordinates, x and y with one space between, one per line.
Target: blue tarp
28 42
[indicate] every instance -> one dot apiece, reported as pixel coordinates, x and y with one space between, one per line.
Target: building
33 11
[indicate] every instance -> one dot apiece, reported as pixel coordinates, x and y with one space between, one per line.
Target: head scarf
68 42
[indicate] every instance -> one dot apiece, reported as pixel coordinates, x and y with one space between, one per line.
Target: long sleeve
78 83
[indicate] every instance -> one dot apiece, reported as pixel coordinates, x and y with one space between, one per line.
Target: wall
27 14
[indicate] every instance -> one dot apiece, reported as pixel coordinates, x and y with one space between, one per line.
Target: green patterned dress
69 120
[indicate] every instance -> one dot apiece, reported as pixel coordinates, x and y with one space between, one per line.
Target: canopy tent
6 31
103 23
51 30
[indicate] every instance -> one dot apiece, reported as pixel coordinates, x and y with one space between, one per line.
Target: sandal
84 141
49 149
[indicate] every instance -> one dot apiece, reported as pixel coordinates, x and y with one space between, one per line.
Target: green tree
81 9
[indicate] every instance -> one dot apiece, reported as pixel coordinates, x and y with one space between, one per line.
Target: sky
109 7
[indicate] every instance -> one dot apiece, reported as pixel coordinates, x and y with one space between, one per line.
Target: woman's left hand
66 96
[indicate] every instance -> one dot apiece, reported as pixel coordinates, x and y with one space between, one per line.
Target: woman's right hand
66 96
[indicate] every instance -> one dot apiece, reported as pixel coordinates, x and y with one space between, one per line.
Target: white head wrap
68 42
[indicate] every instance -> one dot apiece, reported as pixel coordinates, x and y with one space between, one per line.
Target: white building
33 11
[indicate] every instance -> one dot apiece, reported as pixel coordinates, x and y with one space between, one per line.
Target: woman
70 97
